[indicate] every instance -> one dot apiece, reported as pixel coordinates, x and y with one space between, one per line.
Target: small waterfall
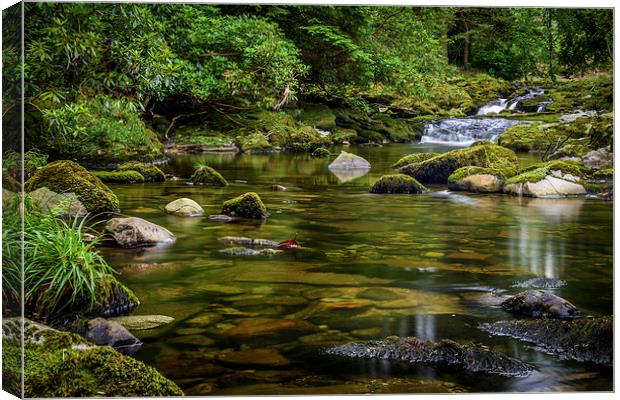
464 131
493 107
499 105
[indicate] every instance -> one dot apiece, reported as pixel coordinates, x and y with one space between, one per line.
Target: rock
256 358
150 172
125 177
538 303
349 161
321 152
541 283
66 176
142 322
251 329
444 354
552 179
585 340
239 251
278 188
110 333
248 205
602 158
475 179
184 207
63 364
436 170
413 158
62 205
397 183
206 175
220 218
137 232
245 241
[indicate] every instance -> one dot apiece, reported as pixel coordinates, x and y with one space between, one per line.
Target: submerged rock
278 188
110 333
62 364
255 358
397 183
137 232
349 161
184 207
245 241
538 303
586 340
445 354
239 251
142 322
268 328
62 205
541 283
248 205
220 218
208 176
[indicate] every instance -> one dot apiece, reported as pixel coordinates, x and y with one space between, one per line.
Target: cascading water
464 131
499 105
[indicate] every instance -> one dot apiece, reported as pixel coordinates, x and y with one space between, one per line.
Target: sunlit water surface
439 254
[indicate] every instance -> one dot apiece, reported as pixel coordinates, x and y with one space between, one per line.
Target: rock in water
397 183
62 205
245 241
141 322
441 354
239 251
184 207
541 283
586 340
538 303
349 161
110 333
219 218
150 172
475 179
551 179
278 188
63 364
137 232
248 205
208 176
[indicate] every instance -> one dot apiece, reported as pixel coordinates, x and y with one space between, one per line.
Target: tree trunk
466 47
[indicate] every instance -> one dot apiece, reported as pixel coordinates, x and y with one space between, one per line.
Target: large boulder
586 340
413 158
150 172
445 354
496 159
397 183
206 175
539 303
63 205
66 176
475 179
349 161
124 177
552 179
110 333
248 205
184 207
63 364
137 232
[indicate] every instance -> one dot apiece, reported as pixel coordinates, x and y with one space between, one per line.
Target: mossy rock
318 116
526 137
305 139
206 175
248 205
255 143
397 183
413 158
68 176
500 160
62 364
321 152
604 174
588 93
10 183
150 172
126 176
464 172
341 135
539 171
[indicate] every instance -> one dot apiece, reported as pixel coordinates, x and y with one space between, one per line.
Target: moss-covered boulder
558 178
539 303
305 139
127 176
254 143
585 340
588 93
68 176
413 158
206 175
526 137
397 183
150 172
500 160
475 179
62 364
603 175
248 205
321 152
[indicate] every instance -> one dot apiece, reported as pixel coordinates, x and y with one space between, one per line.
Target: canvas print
206 199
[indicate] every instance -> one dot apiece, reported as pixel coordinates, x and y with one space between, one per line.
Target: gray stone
551 186
349 161
538 303
137 232
59 204
184 207
482 183
141 322
110 333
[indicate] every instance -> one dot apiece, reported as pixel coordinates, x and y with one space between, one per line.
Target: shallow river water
374 265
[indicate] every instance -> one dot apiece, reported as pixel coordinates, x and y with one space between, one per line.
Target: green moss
126 176
321 152
526 137
340 135
255 142
500 160
150 172
604 174
206 175
318 116
305 139
248 205
540 171
68 176
397 183
65 365
10 183
588 93
482 88
413 158
464 172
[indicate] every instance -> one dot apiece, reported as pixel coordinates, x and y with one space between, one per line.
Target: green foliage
126 176
150 172
11 255
33 160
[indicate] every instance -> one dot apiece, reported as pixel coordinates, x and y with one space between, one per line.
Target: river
438 258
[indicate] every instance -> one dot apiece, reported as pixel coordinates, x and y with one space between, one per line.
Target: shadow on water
373 265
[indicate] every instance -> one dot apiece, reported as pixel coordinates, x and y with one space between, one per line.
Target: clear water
439 255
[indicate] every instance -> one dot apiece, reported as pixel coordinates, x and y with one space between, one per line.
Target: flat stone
184 207
141 322
256 358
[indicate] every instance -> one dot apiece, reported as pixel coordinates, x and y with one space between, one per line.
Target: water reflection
346 175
